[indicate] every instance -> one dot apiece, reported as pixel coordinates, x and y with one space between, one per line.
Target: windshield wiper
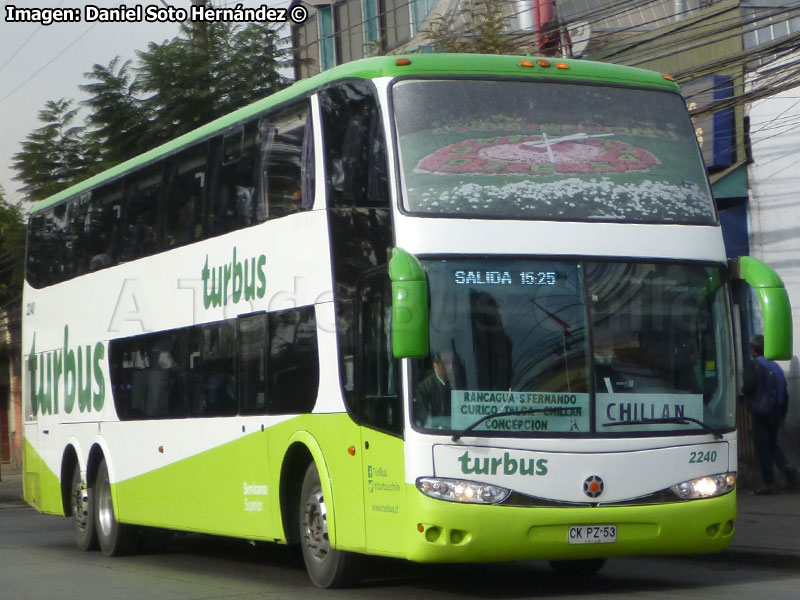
670 420
514 413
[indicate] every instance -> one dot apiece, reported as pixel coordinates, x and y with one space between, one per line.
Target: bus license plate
592 534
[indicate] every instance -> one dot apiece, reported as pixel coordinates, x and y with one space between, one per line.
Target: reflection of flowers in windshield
538 155
505 123
592 198
566 152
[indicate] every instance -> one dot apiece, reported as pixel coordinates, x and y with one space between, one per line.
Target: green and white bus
444 308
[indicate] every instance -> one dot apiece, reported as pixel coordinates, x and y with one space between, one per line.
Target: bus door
379 411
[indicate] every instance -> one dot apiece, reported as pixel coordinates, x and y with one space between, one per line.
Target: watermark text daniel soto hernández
153 13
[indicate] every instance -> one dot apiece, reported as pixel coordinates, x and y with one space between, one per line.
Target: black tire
571 568
82 505
115 539
327 567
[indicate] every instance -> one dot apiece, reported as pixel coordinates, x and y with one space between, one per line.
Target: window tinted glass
233 187
293 361
287 149
61 244
549 151
256 364
46 245
252 364
211 188
211 369
184 197
354 147
511 335
378 403
660 339
502 326
102 223
36 257
142 196
146 376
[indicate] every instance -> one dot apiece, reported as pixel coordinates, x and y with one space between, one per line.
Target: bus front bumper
452 532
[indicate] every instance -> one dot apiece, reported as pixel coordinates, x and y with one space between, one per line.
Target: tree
12 252
483 30
209 70
178 97
118 120
55 155
251 65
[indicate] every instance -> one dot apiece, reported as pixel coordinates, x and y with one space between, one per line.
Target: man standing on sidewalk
765 391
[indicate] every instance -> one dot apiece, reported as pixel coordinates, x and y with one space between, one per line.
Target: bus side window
355 151
211 373
102 218
142 196
379 404
60 252
252 364
35 260
184 197
232 187
41 251
147 376
292 361
287 162
76 238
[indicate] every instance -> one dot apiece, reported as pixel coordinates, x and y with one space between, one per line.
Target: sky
47 62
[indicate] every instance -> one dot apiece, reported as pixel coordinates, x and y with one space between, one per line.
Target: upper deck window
525 150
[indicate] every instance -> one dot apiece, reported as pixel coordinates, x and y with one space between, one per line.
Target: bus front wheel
327 567
115 539
82 505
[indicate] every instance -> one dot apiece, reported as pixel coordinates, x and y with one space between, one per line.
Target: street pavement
767 527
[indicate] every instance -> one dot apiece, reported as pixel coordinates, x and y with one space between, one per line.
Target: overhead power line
49 62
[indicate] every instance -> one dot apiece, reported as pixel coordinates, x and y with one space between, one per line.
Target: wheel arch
96 456
302 450
69 462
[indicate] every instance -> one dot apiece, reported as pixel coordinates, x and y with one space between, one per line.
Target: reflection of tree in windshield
492 345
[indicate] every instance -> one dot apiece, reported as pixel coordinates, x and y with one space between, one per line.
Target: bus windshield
590 345
523 150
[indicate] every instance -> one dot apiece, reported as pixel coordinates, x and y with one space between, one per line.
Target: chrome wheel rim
315 526
105 508
80 505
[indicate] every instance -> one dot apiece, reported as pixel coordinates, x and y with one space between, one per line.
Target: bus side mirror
409 306
774 300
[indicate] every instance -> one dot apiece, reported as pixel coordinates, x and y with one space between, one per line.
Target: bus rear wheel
327 567
82 505
115 539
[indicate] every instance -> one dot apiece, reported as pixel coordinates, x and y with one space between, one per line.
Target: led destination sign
505 277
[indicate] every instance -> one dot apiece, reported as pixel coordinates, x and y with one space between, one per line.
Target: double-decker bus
444 308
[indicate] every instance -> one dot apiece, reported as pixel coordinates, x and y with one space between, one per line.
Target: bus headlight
705 487
458 490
